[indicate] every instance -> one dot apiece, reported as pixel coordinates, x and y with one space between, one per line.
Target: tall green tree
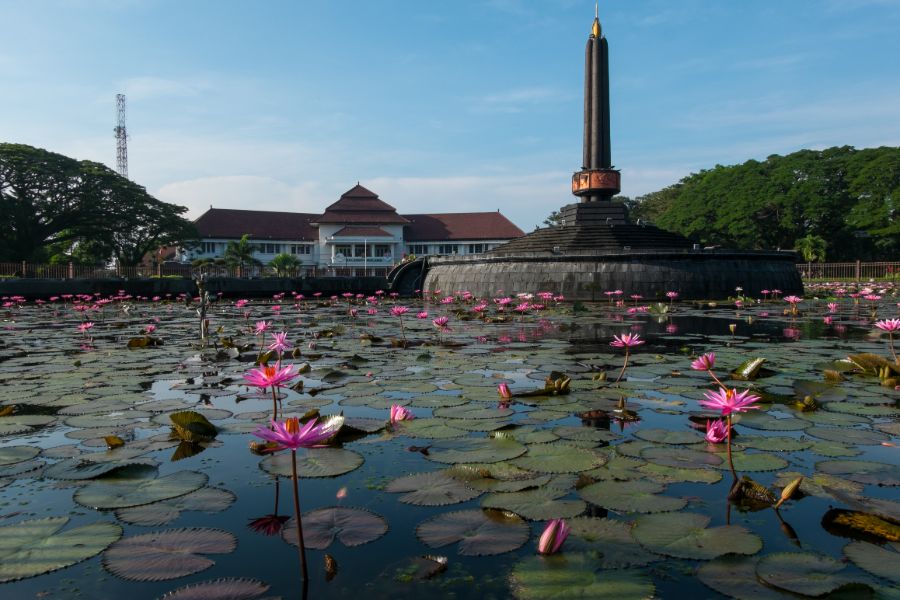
285 265
49 201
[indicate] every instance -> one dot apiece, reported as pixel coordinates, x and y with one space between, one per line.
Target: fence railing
850 271
26 270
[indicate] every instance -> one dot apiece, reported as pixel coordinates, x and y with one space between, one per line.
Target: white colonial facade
357 235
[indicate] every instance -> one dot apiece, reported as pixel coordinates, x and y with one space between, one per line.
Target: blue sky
438 106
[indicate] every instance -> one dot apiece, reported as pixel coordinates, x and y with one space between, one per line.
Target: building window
417 249
447 249
207 247
345 250
476 248
301 248
381 250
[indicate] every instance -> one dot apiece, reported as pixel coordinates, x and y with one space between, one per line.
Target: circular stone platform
694 274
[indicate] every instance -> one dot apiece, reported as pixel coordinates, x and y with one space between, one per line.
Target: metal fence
850 271
28 270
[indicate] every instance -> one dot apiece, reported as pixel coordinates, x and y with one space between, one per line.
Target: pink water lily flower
261 327
85 326
729 401
399 311
290 434
554 535
626 340
716 431
832 307
705 362
440 322
504 391
267 376
889 325
793 299
401 413
422 315
279 342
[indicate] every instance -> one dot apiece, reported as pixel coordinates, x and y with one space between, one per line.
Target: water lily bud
553 537
789 490
503 391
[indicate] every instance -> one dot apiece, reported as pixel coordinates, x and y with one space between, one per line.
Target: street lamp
365 257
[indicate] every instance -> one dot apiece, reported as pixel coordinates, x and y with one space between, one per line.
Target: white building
359 234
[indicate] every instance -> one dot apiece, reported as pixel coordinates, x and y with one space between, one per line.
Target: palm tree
285 264
811 248
240 253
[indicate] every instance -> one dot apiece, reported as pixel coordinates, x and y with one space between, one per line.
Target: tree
553 220
239 253
811 248
50 203
285 265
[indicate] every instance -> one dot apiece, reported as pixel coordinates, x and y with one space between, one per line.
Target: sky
468 105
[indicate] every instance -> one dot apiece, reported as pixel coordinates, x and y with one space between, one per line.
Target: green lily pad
864 410
559 458
685 535
16 424
877 560
862 471
685 458
350 526
846 435
758 461
35 547
314 462
774 443
164 555
834 449
765 421
735 577
219 589
470 450
468 411
11 455
803 573
617 468
665 436
631 496
479 532
585 434
206 499
570 576
664 474
610 541
435 429
536 505
435 488
126 491
818 484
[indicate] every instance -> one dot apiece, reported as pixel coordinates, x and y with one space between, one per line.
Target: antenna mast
121 137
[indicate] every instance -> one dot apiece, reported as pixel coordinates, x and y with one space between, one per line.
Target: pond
104 494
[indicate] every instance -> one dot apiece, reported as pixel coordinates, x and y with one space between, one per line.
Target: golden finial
595 28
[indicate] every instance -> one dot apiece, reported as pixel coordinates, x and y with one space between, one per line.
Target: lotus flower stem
730 462
624 366
274 403
297 515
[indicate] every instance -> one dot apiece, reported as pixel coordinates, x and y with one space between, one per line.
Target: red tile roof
360 205
260 225
362 232
460 226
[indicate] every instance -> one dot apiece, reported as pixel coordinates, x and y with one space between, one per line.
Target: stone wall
700 275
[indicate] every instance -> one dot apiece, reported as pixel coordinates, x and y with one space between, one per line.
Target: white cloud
516 100
242 192
146 87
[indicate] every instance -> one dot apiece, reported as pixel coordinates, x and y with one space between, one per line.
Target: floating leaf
748 370
862 471
431 489
191 426
124 492
685 535
860 525
878 561
846 435
486 450
631 496
803 573
665 436
684 458
15 454
664 474
611 540
435 429
479 532
167 554
538 504
575 575
315 462
35 547
219 589
351 527
735 576
206 499
559 458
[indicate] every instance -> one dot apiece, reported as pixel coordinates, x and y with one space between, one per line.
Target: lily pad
803 573
123 492
11 455
665 436
538 504
735 577
435 429
350 526
663 474
685 458
314 462
611 541
631 496
35 547
479 532
568 576
877 560
206 499
686 535
167 554
559 458
470 450
431 489
219 589
862 471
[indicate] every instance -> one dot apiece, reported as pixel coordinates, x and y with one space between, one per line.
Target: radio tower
121 137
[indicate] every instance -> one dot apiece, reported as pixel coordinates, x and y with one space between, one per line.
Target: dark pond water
647 498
